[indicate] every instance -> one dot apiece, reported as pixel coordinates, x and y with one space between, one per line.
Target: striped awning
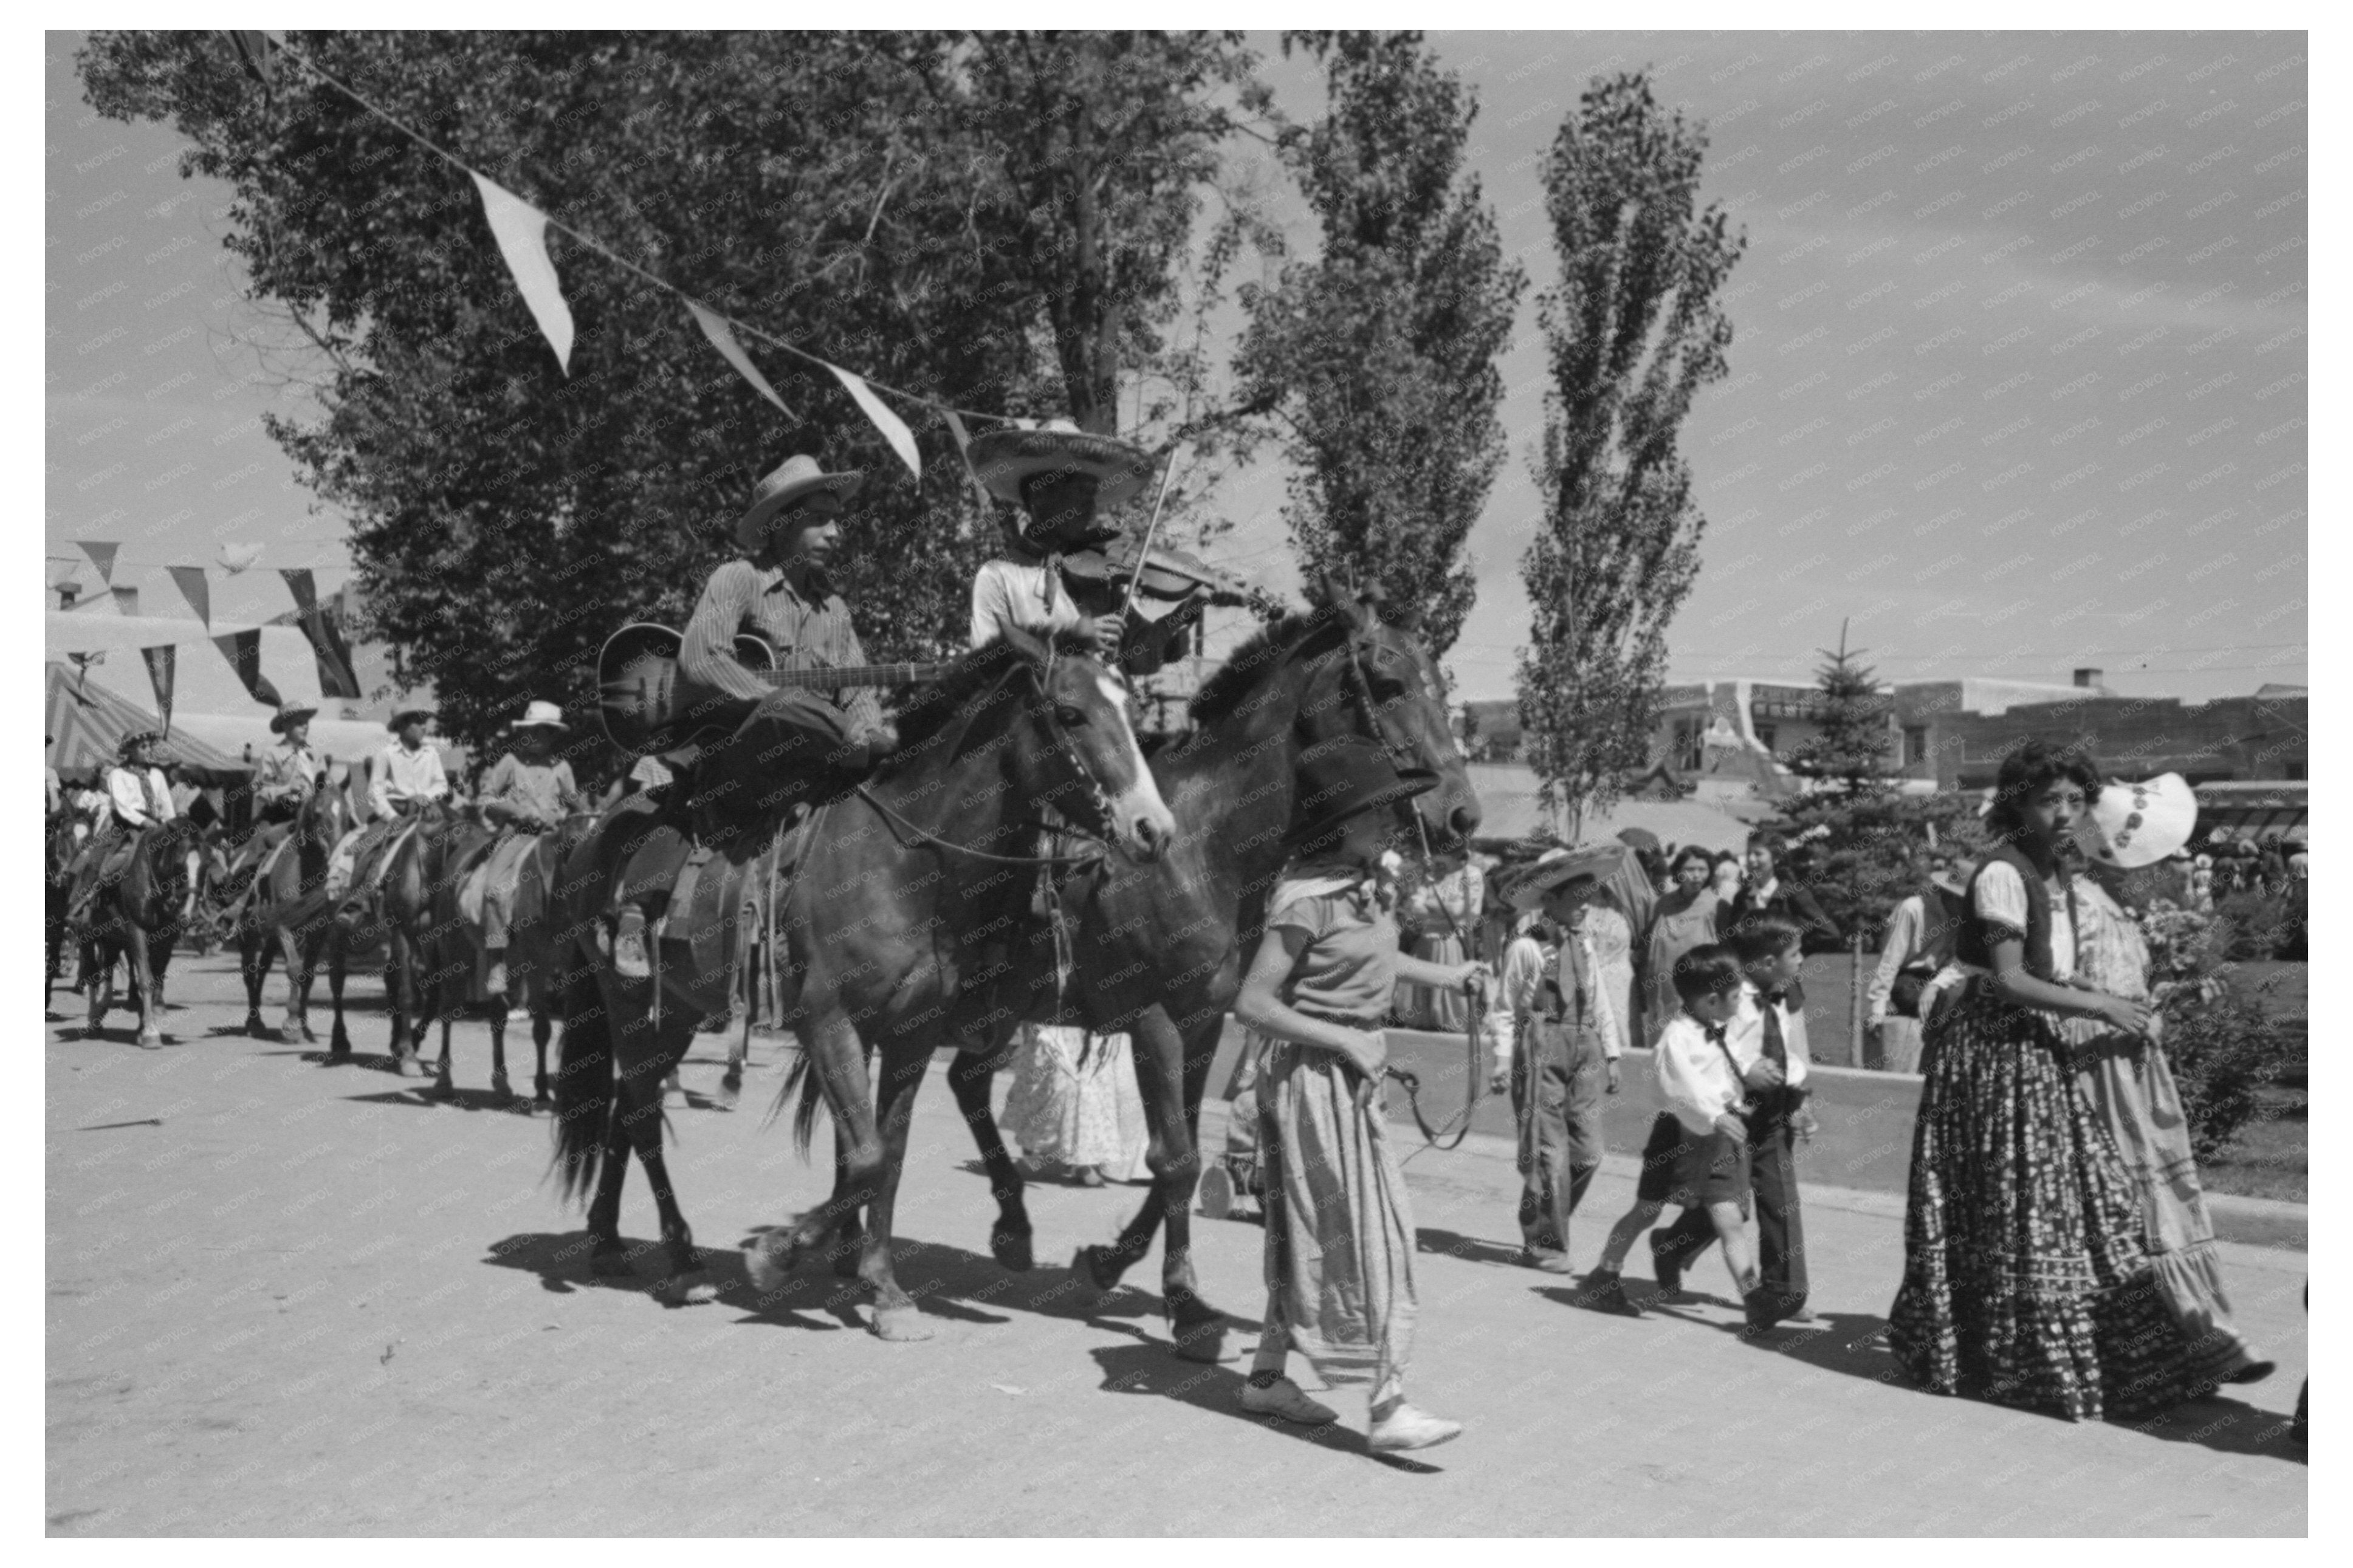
90 721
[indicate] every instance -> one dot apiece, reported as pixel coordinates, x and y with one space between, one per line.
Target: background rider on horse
136 797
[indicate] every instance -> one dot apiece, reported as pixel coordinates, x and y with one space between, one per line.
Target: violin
1168 574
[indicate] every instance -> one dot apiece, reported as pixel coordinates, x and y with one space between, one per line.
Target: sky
2018 379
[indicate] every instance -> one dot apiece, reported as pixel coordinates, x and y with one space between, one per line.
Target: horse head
1082 753
156 887
1394 692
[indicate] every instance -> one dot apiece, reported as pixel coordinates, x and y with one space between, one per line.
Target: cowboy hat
1004 457
1345 777
1953 878
1558 869
288 715
2136 824
796 479
403 715
136 739
540 716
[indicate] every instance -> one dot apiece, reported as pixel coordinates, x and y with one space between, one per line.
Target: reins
1461 1120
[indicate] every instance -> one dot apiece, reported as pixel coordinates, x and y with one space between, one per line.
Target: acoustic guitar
644 709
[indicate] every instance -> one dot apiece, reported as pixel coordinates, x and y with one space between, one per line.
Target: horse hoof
500 1088
686 1291
1089 1263
294 1032
1011 1249
900 1325
767 1273
539 1095
440 1089
255 1027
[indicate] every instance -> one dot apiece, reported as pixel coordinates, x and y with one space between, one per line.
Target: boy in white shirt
1767 1037
1697 1155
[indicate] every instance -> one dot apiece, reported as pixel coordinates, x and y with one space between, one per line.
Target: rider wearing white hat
526 789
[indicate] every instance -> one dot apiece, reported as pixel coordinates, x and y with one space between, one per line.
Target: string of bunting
520 230
243 649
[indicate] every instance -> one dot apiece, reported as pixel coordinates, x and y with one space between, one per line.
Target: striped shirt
806 621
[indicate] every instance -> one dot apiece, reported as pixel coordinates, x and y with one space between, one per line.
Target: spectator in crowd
1918 942
1686 918
1767 893
1724 879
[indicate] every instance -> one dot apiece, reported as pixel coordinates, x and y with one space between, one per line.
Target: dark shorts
1692 1170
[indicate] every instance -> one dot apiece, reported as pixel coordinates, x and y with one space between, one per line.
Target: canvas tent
90 721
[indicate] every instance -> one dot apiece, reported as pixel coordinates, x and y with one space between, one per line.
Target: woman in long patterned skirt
1339 1229
2025 1280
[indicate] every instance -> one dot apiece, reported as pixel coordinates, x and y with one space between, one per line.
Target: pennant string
617 259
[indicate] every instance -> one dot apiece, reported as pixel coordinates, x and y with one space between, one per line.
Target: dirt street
285 1297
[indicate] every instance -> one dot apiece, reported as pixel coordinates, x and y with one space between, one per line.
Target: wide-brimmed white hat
2136 824
796 477
540 716
1005 456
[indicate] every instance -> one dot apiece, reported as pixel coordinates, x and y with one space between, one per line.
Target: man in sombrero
407 777
1059 476
286 778
789 744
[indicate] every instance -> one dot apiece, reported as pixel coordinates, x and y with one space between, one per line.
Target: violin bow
1144 556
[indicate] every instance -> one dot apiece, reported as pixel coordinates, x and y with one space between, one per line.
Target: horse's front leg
838 1059
500 1087
969 1078
339 1038
296 1030
896 1316
256 950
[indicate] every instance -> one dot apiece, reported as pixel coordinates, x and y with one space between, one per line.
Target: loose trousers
1780 1226
1557 1085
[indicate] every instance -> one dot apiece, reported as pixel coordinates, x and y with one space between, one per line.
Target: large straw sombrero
2136 824
796 479
1005 456
1558 867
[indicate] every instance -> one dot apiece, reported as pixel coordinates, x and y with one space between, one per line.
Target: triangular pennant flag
101 555
894 430
196 590
723 338
257 51
521 231
335 677
964 450
163 664
243 651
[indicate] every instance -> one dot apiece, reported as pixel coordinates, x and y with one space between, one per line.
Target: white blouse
1019 594
1999 894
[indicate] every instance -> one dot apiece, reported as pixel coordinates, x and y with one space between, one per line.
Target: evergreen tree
1849 747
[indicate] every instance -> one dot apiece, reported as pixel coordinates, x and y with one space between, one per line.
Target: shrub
2253 926
2223 1048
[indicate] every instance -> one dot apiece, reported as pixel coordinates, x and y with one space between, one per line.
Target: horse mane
937 705
1248 663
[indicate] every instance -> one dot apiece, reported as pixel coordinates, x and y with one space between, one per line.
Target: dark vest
1972 946
1575 1008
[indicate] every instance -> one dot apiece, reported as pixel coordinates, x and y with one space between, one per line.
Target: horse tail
586 1086
801 1076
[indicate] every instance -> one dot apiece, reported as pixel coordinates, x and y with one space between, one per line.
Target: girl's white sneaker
1406 1427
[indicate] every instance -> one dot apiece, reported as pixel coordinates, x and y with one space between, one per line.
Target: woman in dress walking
2130 1083
1683 918
1339 1228
2025 1281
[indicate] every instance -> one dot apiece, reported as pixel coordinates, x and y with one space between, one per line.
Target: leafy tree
1849 746
857 193
1866 853
1379 355
1634 329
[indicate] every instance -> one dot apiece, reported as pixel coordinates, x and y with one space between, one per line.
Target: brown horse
287 911
899 892
460 961
57 896
390 906
1159 950
135 916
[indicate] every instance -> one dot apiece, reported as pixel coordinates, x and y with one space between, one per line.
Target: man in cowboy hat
409 772
136 796
1059 476
791 744
1565 1055
289 773
527 793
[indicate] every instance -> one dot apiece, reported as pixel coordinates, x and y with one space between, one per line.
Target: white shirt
1696 1079
1018 593
402 774
1605 1014
1745 1034
1524 967
137 799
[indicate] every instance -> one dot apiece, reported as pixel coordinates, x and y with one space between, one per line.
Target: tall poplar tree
1634 328
1378 356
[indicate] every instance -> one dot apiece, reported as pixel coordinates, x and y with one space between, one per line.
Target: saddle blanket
721 907
339 863
487 896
